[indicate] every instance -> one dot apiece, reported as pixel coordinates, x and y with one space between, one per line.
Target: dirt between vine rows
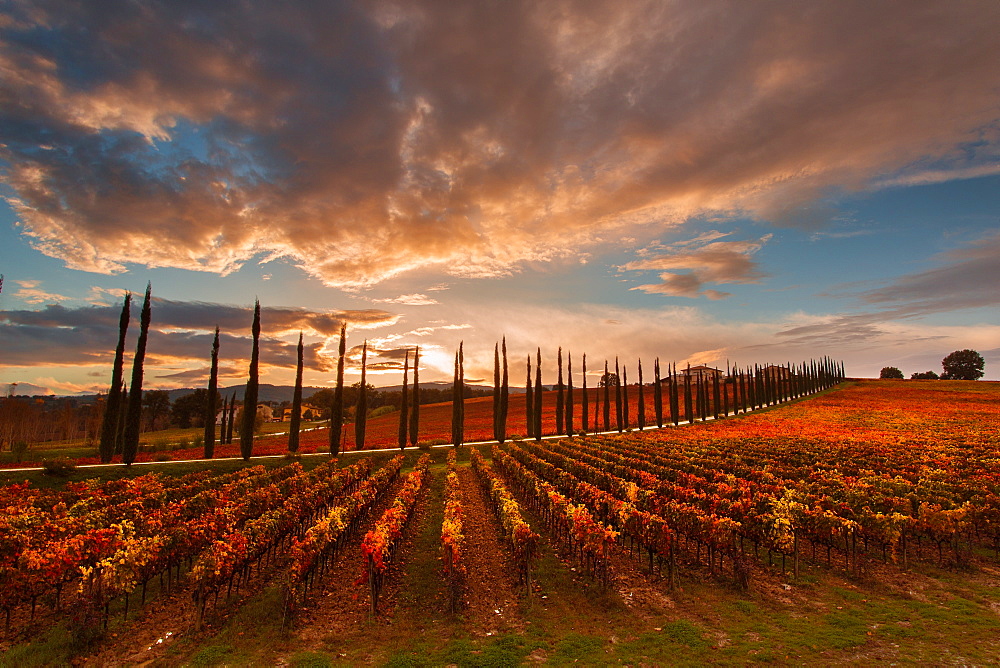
339 599
340 605
491 598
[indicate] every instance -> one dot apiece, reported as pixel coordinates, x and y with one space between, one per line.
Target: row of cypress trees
745 389
742 391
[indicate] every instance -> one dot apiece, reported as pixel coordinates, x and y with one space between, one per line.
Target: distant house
306 412
698 374
776 372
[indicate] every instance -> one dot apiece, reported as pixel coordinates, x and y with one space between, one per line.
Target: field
858 526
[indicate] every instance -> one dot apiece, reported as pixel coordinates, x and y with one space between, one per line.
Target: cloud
360 141
967 280
713 262
31 294
181 333
415 299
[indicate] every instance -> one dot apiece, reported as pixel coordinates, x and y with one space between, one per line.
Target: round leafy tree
890 372
963 365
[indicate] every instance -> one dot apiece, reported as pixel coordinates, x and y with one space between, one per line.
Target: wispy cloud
30 293
415 299
468 142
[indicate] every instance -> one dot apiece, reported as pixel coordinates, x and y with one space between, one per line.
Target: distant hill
279 393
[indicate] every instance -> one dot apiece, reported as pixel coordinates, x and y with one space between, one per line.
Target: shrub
926 375
19 449
59 467
890 372
163 457
382 410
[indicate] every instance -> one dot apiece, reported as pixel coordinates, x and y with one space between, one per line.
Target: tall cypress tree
232 419
415 399
456 403
130 445
337 407
585 400
716 396
657 393
250 395
496 391
529 404
404 406
361 409
113 407
538 396
607 398
210 402
618 396
225 422
624 385
675 412
560 398
504 394
642 400
461 391
688 408
122 419
293 427
569 393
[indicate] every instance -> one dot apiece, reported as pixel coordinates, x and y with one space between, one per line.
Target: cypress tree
657 393
109 425
456 410
361 408
585 401
415 399
688 408
225 421
672 394
231 427
529 404
293 428
618 396
404 412
120 427
642 400
210 403
560 398
625 417
504 394
337 407
538 396
716 400
250 395
130 445
607 398
569 393
496 391
461 391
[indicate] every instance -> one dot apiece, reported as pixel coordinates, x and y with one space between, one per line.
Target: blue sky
739 182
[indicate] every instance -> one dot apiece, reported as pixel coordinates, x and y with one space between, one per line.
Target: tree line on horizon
960 365
678 396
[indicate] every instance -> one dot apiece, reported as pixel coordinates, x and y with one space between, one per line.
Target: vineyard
858 525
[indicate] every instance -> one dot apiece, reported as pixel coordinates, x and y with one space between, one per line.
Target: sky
721 183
